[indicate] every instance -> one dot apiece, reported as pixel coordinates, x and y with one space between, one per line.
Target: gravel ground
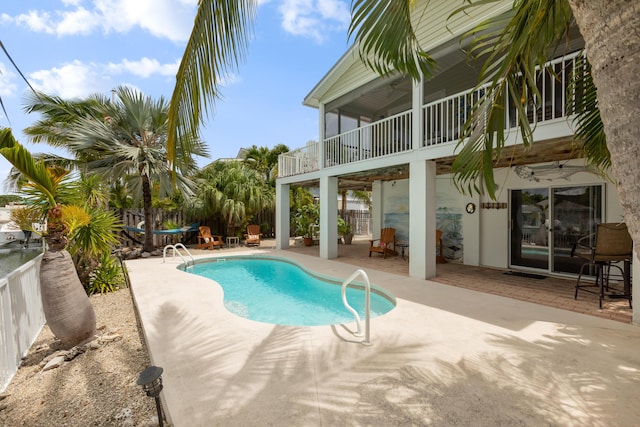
96 388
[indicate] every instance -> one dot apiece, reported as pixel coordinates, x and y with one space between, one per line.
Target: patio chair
613 244
440 256
253 235
384 243
208 241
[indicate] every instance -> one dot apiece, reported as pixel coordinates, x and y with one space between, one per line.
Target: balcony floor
551 291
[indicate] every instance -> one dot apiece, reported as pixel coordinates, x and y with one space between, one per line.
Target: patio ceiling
541 152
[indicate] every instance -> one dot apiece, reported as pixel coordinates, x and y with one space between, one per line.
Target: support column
376 209
282 216
321 132
328 217
422 219
417 129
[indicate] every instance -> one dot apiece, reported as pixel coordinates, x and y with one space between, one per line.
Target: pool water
280 292
11 259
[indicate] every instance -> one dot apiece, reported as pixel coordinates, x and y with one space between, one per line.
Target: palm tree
125 138
233 191
265 160
66 306
258 158
515 43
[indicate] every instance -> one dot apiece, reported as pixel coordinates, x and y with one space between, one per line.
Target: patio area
444 356
551 291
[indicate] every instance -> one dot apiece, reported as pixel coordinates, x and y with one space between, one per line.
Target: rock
124 414
110 338
53 355
157 252
145 255
56 362
74 352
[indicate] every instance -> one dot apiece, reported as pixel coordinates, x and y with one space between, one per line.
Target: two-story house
398 138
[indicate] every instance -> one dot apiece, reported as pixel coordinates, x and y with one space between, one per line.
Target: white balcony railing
302 160
442 121
391 135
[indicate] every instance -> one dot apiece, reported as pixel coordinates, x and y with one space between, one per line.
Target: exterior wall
395 207
450 219
494 223
435 29
482 237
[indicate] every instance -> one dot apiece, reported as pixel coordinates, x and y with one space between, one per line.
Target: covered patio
551 291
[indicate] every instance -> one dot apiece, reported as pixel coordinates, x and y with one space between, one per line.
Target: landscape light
151 381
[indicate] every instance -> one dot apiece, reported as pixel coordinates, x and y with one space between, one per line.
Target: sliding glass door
547 222
529 228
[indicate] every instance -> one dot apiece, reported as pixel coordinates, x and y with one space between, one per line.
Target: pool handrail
175 250
367 305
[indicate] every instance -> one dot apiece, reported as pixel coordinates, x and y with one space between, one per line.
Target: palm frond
216 46
386 38
39 176
589 137
510 47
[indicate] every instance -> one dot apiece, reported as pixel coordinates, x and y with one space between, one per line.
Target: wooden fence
360 222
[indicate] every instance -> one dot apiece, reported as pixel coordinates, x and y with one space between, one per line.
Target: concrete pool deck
443 356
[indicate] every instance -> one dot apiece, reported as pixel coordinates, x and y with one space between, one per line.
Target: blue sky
72 48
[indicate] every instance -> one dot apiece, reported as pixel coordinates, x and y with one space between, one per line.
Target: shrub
108 276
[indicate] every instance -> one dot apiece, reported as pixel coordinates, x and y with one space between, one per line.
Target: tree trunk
610 31
65 303
148 217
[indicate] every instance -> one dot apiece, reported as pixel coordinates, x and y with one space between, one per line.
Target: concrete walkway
444 356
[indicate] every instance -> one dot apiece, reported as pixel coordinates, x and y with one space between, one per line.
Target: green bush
108 277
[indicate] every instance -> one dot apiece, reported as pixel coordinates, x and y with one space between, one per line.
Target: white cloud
314 18
170 19
145 67
335 10
79 21
78 79
74 80
36 21
7 87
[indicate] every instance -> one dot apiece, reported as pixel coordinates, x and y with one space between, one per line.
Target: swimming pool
278 291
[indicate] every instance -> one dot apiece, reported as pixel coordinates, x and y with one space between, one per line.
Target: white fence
21 317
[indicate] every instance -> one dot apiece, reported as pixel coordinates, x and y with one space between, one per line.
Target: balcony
442 123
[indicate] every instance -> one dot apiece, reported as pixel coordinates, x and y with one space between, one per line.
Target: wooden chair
253 235
384 243
440 257
206 240
613 244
